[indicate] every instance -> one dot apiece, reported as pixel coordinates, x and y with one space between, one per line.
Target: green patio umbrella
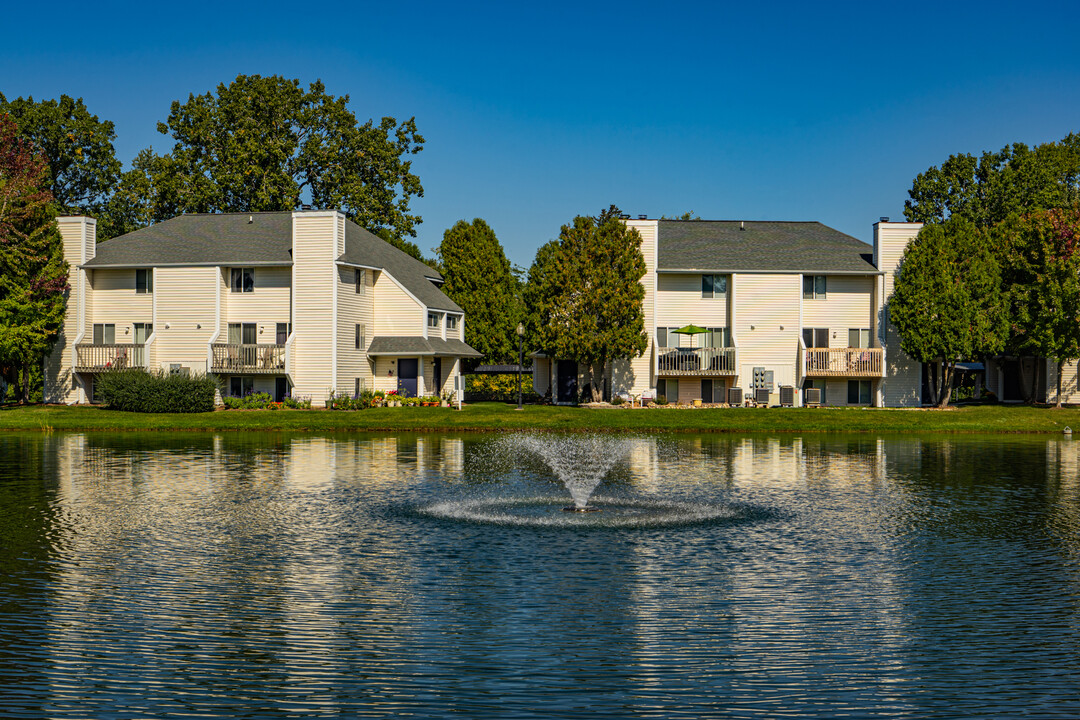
690 330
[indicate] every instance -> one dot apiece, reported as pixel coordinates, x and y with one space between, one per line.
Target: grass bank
501 417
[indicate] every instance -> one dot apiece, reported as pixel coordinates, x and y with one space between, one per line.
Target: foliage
500 388
135 390
1040 252
479 279
296 403
661 400
586 303
947 305
33 273
251 401
265 143
83 169
986 190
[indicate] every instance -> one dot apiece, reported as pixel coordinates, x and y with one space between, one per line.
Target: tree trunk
1033 395
1061 367
24 385
934 386
1029 392
597 372
946 383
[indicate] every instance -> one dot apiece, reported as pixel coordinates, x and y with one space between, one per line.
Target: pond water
271 576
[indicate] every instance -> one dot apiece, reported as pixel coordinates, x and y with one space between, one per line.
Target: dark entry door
436 371
407 371
567 381
281 388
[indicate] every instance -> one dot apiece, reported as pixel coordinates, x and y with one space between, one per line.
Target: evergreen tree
479 279
947 305
33 273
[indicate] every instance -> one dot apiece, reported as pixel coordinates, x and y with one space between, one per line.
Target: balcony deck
844 362
695 362
263 358
99 358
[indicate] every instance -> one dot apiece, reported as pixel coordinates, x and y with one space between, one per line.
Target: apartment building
784 312
300 303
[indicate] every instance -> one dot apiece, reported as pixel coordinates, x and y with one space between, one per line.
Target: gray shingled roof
401 345
785 247
230 239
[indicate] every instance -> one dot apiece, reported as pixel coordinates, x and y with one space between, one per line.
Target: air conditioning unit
178 369
787 395
734 396
812 396
761 396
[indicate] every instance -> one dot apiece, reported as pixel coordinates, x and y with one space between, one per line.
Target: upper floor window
451 322
361 336
715 338
143 331
281 333
433 320
713 286
242 280
105 334
242 334
816 337
361 281
858 337
813 287
144 281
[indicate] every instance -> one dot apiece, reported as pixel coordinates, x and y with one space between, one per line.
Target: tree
267 144
82 167
585 299
947 305
479 279
1016 179
1044 268
33 273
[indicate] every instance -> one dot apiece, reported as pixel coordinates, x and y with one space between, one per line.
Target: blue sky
536 113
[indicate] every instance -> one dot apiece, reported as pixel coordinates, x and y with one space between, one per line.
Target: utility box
734 396
787 396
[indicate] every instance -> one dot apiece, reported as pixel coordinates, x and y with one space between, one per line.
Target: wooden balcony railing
843 362
246 359
704 362
98 358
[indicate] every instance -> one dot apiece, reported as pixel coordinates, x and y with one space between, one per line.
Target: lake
272 576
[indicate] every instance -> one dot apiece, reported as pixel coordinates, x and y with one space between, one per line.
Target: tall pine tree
33 273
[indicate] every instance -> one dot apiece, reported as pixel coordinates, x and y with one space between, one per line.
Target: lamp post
521 357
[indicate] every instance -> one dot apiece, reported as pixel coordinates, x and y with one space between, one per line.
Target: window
143 331
281 333
144 282
858 337
242 334
361 337
713 286
819 383
813 287
858 392
241 386
433 320
361 281
712 391
669 389
451 322
661 337
356 389
242 280
815 337
715 338
105 334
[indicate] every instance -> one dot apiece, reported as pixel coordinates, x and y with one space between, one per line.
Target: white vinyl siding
353 310
266 306
680 303
115 301
185 315
769 304
903 383
314 275
848 304
396 313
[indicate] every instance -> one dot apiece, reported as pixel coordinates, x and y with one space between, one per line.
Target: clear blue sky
536 113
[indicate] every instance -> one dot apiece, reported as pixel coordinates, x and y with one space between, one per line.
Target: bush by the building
500 388
136 390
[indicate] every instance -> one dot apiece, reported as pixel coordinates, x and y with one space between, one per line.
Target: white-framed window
815 337
433 320
715 338
242 280
858 392
144 281
451 322
361 281
668 388
361 336
242 334
281 333
714 286
859 337
813 287
104 334
143 331
241 386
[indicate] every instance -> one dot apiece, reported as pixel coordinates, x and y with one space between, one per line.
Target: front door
408 369
567 381
281 388
436 371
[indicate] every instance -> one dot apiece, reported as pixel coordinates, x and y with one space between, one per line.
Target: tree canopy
947 304
33 273
585 295
82 167
987 189
479 279
266 143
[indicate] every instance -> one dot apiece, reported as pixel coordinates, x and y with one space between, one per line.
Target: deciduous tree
947 305
33 273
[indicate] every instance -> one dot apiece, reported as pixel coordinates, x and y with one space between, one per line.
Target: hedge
136 390
500 388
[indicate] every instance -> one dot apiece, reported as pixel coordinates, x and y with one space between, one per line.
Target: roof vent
742 224
883 219
642 217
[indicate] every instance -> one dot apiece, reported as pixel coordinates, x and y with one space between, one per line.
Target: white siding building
297 303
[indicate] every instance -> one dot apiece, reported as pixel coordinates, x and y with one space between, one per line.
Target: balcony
229 359
701 362
844 362
99 358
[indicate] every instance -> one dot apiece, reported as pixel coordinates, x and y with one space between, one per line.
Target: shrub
136 390
617 400
499 388
251 401
661 399
297 403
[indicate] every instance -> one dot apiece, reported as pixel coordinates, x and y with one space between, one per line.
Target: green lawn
501 417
